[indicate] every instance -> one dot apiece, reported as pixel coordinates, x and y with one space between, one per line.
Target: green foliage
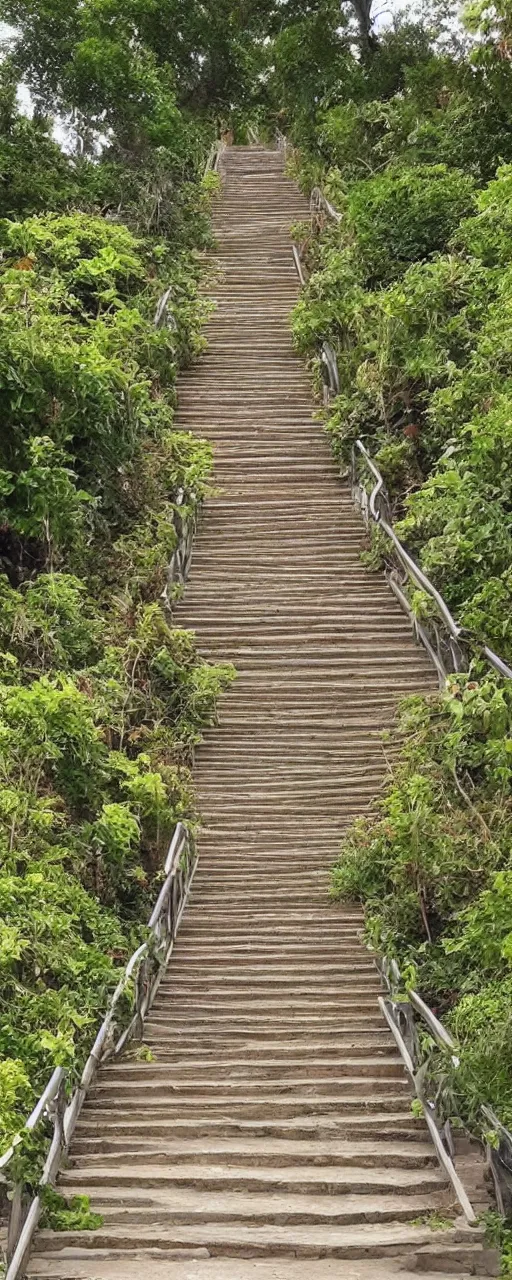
425 369
85 378
15 1091
405 214
60 1215
499 1236
433 867
101 699
141 66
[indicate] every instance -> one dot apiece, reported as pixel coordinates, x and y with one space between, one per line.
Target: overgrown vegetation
412 288
102 699
434 869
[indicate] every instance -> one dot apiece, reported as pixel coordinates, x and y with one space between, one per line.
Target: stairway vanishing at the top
272 1135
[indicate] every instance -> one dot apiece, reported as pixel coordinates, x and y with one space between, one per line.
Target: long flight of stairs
272 1135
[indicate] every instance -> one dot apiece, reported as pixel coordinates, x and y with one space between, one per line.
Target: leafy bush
101 699
59 1215
78 295
433 867
425 365
405 214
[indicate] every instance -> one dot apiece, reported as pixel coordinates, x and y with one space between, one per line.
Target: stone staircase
271 1138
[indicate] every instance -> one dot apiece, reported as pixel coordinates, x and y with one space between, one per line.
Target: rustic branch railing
123 1022
449 646
399 1012
23 1215
320 208
499 1160
184 521
214 156
403 1009
282 142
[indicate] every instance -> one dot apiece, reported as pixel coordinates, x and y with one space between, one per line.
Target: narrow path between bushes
274 1123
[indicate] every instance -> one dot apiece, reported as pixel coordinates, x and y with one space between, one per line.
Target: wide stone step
198 1265
229 1240
261 1152
168 1032
98 1171
170 1206
399 1126
189 1070
257 1104
135 1089
181 1023
174 1049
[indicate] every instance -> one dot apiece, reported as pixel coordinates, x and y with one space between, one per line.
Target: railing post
15 1220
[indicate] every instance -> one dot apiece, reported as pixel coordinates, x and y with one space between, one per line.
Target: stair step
197 1265
261 1152
172 1206
392 1126
229 1240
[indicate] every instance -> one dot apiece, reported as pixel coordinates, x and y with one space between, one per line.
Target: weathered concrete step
399 1126
233 990
224 877
230 1240
282 972
257 1105
260 642
182 1022
464 1258
168 1031
305 918
259 956
175 1049
288 992
224 935
323 1179
224 1013
263 1152
171 1206
229 878
168 1046
199 1266
383 1066
195 930
134 1089
295 770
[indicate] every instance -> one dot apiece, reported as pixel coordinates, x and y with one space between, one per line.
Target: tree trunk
363 10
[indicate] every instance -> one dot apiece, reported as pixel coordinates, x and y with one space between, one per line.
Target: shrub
433 867
406 214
